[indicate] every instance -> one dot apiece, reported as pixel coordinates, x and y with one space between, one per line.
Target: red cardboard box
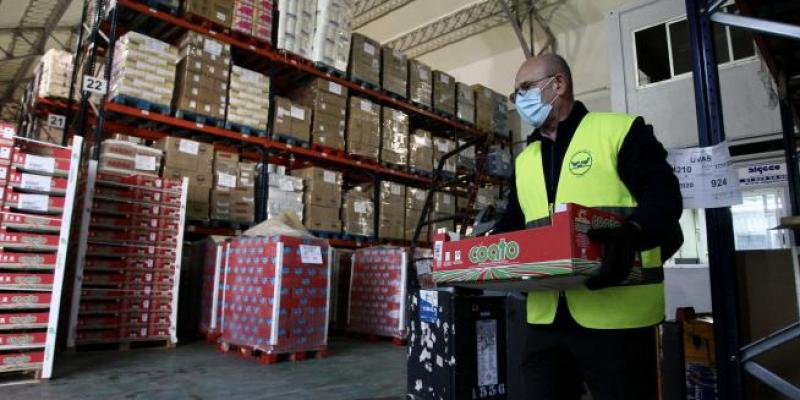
98 336
15 361
6 153
29 222
28 241
37 183
24 300
557 256
39 164
25 281
24 320
141 181
100 307
101 294
22 340
36 203
12 260
98 321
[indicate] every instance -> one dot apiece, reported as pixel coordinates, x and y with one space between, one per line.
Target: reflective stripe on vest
589 177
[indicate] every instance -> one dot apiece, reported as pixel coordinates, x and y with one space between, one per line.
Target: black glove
619 249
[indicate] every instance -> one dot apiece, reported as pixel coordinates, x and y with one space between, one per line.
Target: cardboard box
420 150
415 198
465 103
553 257
199 93
216 11
200 183
321 218
247 174
226 170
484 107
394 71
444 93
410 225
186 154
322 187
332 34
363 128
143 68
420 83
392 217
365 62
394 137
358 211
442 146
253 19
292 120
328 103
444 203
197 210
248 99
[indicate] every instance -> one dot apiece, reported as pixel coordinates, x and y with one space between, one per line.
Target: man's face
533 74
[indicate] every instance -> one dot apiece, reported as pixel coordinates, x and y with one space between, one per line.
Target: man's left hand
619 249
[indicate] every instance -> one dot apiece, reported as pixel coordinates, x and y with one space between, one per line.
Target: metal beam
512 18
366 11
772 380
758 25
770 342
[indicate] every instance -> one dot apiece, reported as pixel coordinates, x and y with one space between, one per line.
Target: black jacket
642 166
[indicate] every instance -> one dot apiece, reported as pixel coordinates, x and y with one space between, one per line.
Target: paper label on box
212 46
360 206
429 306
446 199
226 180
442 146
42 164
444 78
394 188
36 182
188 146
422 140
35 202
369 49
145 163
285 185
310 254
486 340
298 113
156 46
334 87
420 195
366 106
329 177
5 152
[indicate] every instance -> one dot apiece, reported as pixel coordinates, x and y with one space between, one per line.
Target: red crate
126 209
26 281
151 252
4 170
39 164
41 149
30 222
110 321
145 332
6 153
149 277
22 340
28 241
37 183
143 181
102 264
24 320
147 317
102 293
100 307
105 335
94 278
24 300
13 260
36 203
21 360
146 304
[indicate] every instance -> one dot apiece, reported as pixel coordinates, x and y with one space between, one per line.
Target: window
753 220
663 51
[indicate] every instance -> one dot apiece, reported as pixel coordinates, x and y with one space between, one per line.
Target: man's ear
560 84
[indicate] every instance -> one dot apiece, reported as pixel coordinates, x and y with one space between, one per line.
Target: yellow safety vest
589 177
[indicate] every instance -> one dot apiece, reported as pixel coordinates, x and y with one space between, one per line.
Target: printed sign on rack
763 174
429 306
706 176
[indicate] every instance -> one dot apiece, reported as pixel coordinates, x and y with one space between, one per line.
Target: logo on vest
580 163
494 252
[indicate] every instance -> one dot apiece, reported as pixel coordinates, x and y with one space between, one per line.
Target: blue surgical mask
531 108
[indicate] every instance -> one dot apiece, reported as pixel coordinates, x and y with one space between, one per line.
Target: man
602 334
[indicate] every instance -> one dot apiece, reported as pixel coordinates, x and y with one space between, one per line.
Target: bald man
600 335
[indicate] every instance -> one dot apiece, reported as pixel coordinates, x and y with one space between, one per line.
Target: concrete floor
354 370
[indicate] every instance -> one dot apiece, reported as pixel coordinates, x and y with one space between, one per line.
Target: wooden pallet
20 375
211 337
329 70
290 140
365 84
160 6
264 357
141 104
245 130
199 118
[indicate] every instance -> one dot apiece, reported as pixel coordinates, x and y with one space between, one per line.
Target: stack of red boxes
130 268
377 292
33 185
276 294
213 283
253 18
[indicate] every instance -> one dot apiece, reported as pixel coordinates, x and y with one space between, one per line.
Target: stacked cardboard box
392 217
484 108
285 193
291 120
365 60
498 162
466 158
53 75
394 137
253 18
328 104
217 11
465 103
332 33
415 200
194 160
225 173
442 146
420 151
500 117
394 71
377 292
243 209
444 93
127 158
363 128
296 23
248 99
322 198
358 212
420 83
201 85
143 68
444 206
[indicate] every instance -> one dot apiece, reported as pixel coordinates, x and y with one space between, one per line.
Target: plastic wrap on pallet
420 83
253 18
328 103
143 69
465 103
444 93
394 137
377 292
391 217
394 71
248 99
365 60
53 76
332 34
363 123
488 195
296 23
291 120
322 198
201 84
498 162
415 201
420 150
444 203
213 285
358 212
276 296
442 146
466 158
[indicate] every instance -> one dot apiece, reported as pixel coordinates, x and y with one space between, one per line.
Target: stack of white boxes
248 99
296 22
332 35
285 193
54 74
143 68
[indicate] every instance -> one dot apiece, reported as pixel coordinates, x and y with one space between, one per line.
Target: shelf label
94 85
188 146
706 176
56 121
394 188
34 202
310 254
145 163
39 163
36 182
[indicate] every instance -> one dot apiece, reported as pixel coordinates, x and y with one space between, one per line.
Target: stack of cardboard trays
420 151
363 128
53 76
394 137
391 218
484 108
365 60
143 68
465 103
332 33
444 93
296 23
194 160
358 212
444 206
420 83
248 100
394 71
415 200
201 86
322 198
126 158
442 146
291 120
285 193
253 18
328 104
217 11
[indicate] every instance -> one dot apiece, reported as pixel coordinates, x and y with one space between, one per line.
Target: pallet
419 171
264 357
357 238
251 40
329 235
371 337
396 96
329 70
290 140
211 337
221 223
198 118
245 130
328 150
365 84
159 6
425 107
363 159
444 114
125 345
23 375
206 23
141 104
398 167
